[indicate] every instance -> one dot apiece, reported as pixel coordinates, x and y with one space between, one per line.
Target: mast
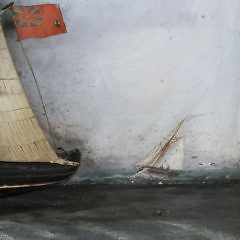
158 152
168 143
21 138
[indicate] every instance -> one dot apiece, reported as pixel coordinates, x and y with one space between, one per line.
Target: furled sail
21 138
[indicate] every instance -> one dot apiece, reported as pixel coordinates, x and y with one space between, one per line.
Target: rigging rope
40 95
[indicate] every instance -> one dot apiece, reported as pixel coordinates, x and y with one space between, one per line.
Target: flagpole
40 95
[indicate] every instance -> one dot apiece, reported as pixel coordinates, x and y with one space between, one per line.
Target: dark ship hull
16 175
34 174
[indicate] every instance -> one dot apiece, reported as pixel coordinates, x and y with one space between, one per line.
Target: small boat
26 157
166 159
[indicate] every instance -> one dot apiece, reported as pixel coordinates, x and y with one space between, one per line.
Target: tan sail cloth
157 157
21 138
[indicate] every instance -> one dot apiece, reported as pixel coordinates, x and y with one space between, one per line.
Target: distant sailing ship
166 158
26 157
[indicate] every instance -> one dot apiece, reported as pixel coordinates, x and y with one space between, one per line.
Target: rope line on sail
167 144
40 95
154 157
150 156
6 79
13 110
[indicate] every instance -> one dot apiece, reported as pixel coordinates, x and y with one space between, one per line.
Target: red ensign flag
38 21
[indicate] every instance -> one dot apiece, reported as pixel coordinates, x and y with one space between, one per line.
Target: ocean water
122 212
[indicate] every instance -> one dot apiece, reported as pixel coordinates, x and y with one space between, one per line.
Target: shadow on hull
18 177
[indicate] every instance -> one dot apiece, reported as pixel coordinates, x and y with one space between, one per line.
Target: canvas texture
21 137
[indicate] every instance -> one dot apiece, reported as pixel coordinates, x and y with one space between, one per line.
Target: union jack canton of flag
38 21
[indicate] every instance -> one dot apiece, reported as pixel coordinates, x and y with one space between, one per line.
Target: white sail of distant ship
168 155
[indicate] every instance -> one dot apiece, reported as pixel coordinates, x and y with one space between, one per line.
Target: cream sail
26 158
21 138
